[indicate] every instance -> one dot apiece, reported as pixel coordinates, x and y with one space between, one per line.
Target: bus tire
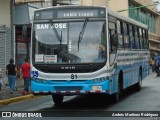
116 96
138 85
57 99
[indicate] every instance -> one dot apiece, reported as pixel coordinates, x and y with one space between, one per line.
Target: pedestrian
157 64
152 63
11 72
25 74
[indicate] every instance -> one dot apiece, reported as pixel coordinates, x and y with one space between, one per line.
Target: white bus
79 50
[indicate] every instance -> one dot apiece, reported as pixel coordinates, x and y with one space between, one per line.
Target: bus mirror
114 39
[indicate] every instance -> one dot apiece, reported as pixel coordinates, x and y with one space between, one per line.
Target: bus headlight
95 80
102 79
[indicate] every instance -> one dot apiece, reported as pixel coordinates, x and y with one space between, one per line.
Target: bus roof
68 7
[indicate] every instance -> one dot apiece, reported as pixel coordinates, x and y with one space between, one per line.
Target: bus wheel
116 96
138 86
57 99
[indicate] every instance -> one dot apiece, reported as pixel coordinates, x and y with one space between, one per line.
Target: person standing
11 71
25 73
152 63
157 64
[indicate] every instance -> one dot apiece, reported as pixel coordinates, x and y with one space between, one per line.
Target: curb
16 99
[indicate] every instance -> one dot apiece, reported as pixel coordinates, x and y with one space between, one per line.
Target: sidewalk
7 98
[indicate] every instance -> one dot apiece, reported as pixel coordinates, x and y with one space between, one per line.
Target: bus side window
145 39
131 37
136 37
112 47
112 31
125 35
141 38
120 32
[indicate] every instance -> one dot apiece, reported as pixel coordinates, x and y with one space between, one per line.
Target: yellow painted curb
16 99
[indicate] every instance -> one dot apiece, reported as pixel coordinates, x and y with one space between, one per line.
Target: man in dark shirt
11 71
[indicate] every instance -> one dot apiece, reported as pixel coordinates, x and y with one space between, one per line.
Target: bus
78 50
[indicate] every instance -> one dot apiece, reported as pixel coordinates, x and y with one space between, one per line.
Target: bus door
112 45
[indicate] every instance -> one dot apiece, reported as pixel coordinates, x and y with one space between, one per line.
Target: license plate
96 87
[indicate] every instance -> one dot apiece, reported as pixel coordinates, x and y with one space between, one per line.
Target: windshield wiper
82 32
57 34
59 37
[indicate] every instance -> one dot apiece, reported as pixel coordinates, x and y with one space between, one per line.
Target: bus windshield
64 42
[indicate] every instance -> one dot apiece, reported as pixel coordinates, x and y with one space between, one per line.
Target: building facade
5 34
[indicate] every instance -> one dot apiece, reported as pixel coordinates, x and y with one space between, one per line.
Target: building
5 34
15 25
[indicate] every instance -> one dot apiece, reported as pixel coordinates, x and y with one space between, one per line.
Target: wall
5 47
158 25
114 5
117 5
5 13
94 2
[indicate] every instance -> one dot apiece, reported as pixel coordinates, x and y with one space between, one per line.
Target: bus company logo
6 114
68 68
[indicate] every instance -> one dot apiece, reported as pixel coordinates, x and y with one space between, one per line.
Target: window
118 27
112 30
125 36
141 39
112 47
143 16
145 36
112 25
119 31
125 30
136 38
131 37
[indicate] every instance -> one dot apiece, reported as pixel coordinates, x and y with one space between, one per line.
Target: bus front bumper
71 88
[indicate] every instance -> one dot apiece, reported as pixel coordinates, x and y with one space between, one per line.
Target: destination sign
78 13
52 14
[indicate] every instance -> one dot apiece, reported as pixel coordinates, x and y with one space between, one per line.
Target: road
148 99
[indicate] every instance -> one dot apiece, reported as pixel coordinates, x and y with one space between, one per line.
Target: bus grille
65 88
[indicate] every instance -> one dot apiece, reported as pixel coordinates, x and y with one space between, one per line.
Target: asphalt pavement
7 98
